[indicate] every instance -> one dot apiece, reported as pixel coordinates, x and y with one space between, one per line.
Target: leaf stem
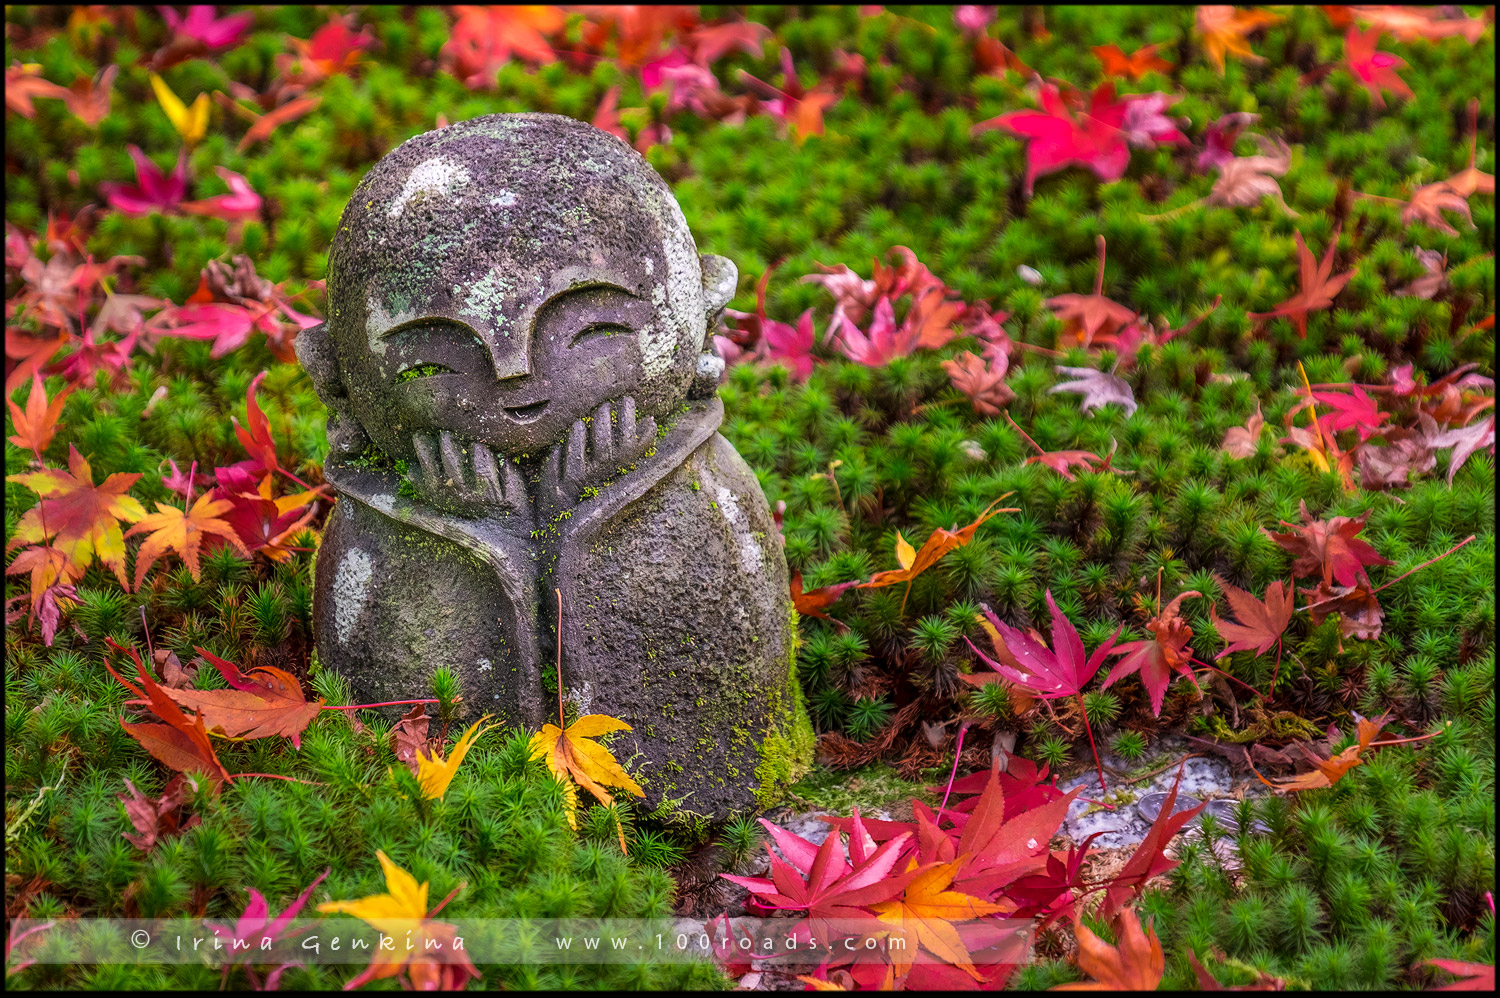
1103 788
958 751
1424 564
560 722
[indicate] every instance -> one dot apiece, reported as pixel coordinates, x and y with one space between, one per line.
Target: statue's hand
612 440
465 477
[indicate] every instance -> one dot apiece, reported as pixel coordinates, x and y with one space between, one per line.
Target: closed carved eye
421 371
598 330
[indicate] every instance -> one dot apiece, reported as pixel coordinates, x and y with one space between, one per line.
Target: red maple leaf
1471 976
333 49
982 381
156 819
1058 139
261 704
1376 71
485 38
1319 287
181 743
1148 860
1157 658
1328 548
1261 623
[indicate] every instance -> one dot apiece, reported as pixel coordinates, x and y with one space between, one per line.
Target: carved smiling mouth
527 413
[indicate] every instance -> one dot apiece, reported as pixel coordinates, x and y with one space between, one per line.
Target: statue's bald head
485 268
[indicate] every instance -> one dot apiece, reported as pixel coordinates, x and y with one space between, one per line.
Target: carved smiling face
500 278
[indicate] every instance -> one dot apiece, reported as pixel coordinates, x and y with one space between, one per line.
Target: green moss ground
1356 885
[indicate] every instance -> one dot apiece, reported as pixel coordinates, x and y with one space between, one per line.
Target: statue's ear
316 354
720 277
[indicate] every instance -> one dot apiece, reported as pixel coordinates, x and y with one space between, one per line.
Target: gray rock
521 395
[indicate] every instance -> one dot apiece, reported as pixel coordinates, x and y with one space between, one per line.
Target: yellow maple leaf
403 907
436 773
573 757
927 910
191 123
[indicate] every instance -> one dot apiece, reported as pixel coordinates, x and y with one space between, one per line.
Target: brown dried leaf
409 736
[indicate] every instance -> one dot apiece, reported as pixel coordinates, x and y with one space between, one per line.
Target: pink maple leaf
152 191
240 204
202 24
1220 138
884 340
1354 410
790 346
1145 125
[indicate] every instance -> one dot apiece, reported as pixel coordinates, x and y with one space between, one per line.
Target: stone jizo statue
520 385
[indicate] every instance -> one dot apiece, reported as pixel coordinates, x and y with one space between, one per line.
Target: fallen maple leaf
1136 963
1469 180
1086 316
1157 658
1261 623
431 959
255 930
1243 441
884 341
52 579
255 435
81 519
1465 441
1360 613
1140 62
264 525
485 38
1352 410
1471 976
158 818
1319 286
181 743
939 543
263 703
1375 71
1049 674
1149 859
409 736
1328 548
152 191
239 205
924 915
1220 136
435 773
182 531
1057 139
1097 388
191 123
1329 771
1412 23
1224 30
333 49
23 83
88 98
982 381
1244 180
812 602
1429 201
36 425
1406 452
573 757
263 126
202 25
1433 278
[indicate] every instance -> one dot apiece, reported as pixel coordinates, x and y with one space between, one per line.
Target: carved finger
625 431
453 460
486 475
601 436
645 431
513 486
575 462
426 457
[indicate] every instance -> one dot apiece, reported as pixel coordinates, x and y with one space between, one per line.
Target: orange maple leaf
80 518
36 425
1136 964
263 703
1329 771
181 743
1137 64
927 911
484 38
1224 29
938 543
182 531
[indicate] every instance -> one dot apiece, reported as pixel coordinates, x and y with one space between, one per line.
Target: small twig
1121 777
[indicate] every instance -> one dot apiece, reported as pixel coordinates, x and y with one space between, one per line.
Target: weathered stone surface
521 403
